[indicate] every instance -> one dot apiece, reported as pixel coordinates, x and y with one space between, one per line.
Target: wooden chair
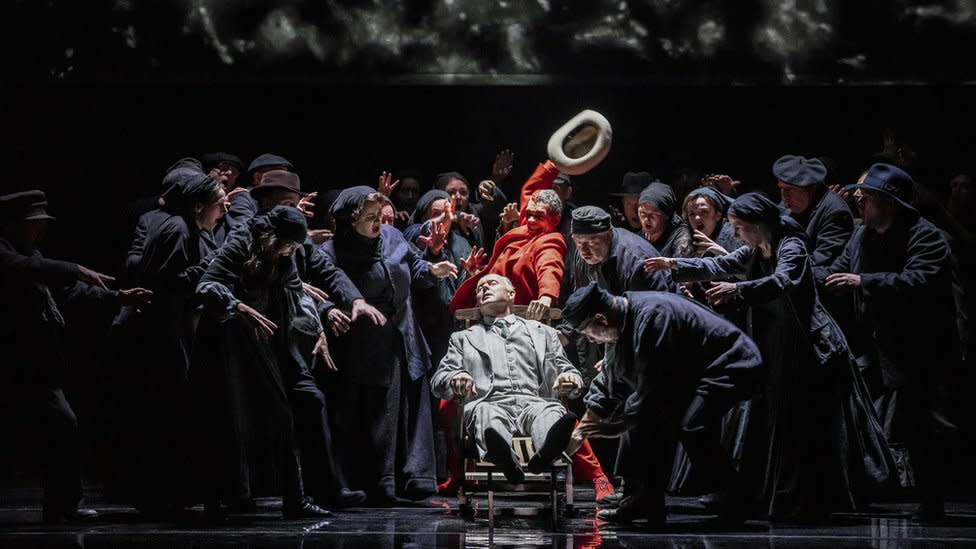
478 476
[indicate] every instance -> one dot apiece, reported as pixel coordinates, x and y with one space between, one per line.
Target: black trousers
646 451
43 428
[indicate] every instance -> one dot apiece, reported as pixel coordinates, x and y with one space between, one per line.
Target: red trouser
585 464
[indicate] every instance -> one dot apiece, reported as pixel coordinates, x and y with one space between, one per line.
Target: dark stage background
98 98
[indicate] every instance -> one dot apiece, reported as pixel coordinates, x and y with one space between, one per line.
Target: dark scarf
355 253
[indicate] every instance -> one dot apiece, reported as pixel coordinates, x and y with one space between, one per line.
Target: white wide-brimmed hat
580 144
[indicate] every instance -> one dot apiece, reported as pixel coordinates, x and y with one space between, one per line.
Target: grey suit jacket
467 352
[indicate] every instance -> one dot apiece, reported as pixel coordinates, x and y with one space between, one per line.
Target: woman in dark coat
380 396
154 346
250 373
825 450
712 236
661 225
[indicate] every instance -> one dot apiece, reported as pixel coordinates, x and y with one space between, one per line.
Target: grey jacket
467 351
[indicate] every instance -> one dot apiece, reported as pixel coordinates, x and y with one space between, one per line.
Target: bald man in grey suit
507 370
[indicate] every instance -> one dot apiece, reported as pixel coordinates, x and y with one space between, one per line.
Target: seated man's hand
463 385
568 378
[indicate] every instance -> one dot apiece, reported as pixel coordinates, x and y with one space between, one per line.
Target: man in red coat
531 256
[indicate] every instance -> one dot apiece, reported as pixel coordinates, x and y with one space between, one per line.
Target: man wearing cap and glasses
897 266
32 404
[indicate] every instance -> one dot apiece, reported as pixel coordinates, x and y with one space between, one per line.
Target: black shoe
635 508
348 498
306 509
69 516
500 453
556 440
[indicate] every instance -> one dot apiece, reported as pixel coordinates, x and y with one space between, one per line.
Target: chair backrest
474 314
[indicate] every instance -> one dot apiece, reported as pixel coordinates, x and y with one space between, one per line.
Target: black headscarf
186 192
721 201
354 252
756 208
662 197
425 201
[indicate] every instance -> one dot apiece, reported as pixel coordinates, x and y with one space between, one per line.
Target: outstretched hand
361 308
94 278
658 264
307 204
502 166
262 325
475 261
444 269
437 238
724 183
704 245
384 185
322 351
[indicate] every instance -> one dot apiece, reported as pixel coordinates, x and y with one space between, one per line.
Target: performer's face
494 289
752 235
653 222
459 189
368 224
593 248
207 215
797 199
703 216
539 219
599 331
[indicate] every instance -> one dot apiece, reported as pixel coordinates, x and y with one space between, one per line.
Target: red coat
534 264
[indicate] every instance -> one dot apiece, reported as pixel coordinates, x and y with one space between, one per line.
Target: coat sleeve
451 365
842 264
831 237
927 255
134 255
603 396
792 264
175 269
542 178
323 273
215 287
419 267
712 268
549 270
242 208
36 268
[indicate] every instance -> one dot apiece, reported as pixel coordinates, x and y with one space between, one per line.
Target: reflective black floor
518 523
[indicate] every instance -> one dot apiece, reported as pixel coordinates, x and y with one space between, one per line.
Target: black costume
825 447
259 394
380 397
675 367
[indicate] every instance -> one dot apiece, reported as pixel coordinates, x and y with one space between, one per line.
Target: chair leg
491 503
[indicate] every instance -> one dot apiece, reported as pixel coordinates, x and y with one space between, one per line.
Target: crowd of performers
784 358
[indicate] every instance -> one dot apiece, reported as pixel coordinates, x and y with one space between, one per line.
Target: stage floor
518 523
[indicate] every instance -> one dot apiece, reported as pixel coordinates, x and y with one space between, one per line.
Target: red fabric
585 464
534 264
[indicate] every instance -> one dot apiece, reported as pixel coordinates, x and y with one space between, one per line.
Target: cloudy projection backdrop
511 41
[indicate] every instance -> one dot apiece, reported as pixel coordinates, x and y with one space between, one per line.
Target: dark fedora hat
278 179
24 206
890 180
634 183
799 171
